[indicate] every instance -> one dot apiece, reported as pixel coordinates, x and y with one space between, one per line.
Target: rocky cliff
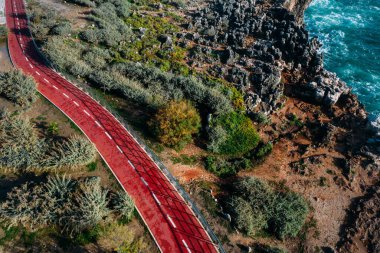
263 48
297 7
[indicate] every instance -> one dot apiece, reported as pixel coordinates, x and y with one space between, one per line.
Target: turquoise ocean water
350 33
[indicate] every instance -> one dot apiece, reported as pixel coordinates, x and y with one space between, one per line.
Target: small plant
185 159
53 128
294 120
323 182
91 166
3 32
10 232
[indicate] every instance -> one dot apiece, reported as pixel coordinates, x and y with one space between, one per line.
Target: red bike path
169 219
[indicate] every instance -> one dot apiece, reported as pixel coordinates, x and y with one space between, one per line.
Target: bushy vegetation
232 134
176 123
21 147
3 31
72 206
226 167
72 153
105 64
256 207
18 88
123 204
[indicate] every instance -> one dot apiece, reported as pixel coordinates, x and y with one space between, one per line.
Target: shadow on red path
170 220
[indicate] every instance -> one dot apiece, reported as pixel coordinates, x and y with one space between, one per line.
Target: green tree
176 123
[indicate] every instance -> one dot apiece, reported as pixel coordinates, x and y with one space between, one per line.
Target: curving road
170 220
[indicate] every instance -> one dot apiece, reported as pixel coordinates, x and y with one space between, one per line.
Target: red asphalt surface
170 220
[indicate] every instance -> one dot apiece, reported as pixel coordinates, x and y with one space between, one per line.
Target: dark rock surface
257 44
364 227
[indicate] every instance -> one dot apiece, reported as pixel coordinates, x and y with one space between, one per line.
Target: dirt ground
5 64
327 191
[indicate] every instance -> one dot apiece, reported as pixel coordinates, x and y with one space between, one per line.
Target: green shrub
88 236
232 134
223 167
123 205
167 86
20 146
220 167
18 88
3 31
74 207
176 123
289 215
72 153
263 150
90 209
63 29
91 166
255 207
25 207
246 218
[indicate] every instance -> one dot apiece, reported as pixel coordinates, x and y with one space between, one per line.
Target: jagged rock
252 100
325 89
166 41
366 223
239 77
228 56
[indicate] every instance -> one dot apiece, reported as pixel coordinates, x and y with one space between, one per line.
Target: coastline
348 38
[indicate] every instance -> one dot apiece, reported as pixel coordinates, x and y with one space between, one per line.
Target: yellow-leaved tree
176 123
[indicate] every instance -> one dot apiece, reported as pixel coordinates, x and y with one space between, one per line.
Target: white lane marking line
65 95
38 73
97 123
75 103
45 79
143 180
31 65
171 221
121 151
87 113
156 199
132 165
187 247
108 135
55 87
26 58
